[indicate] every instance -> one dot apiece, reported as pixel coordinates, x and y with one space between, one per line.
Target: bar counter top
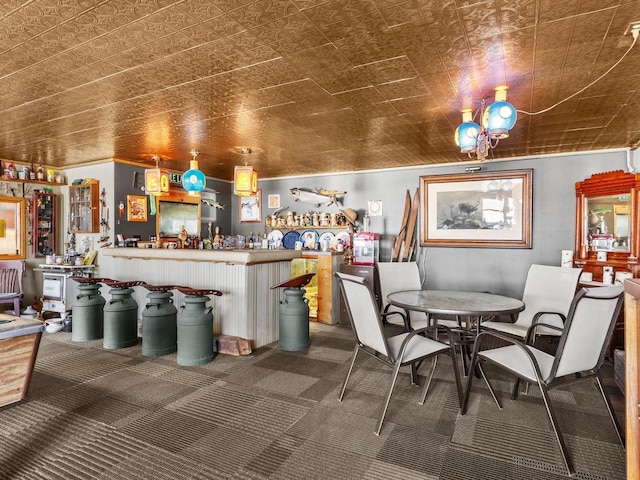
231 257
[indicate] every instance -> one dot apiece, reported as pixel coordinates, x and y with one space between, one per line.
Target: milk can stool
87 311
159 328
195 327
120 316
293 326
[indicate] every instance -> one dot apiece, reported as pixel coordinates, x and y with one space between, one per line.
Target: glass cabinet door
83 208
44 224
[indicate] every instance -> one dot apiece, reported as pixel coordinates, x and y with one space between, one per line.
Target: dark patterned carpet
98 414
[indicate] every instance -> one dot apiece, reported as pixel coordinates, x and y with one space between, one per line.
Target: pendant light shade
466 135
245 181
500 116
193 180
156 180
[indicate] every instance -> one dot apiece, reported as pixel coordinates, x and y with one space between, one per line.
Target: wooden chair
11 272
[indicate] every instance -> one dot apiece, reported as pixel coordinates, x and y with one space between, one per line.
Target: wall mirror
12 228
606 229
607 219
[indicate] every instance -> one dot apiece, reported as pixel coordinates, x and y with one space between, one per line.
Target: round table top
455 302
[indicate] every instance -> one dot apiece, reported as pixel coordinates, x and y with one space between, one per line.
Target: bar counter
248 308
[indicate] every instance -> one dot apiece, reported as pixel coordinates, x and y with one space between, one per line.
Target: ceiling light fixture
496 120
245 178
156 180
193 180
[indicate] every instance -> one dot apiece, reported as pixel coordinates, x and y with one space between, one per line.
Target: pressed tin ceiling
311 86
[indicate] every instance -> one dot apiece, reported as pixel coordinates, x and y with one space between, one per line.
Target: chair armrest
535 323
405 320
509 339
419 331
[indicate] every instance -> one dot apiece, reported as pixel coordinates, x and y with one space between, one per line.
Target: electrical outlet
631 27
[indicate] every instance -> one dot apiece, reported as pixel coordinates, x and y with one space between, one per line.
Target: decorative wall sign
136 208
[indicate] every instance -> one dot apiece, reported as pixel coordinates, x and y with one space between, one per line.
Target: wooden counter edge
632 372
231 257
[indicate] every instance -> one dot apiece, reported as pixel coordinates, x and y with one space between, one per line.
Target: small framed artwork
250 209
274 201
136 208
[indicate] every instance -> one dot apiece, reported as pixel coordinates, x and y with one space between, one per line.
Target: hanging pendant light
245 179
500 116
496 120
193 180
467 132
156 180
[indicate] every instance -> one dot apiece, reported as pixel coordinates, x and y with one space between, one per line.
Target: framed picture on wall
274 201
490 209
250 208
136 208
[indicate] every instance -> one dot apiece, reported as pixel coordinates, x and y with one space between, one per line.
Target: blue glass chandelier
497 120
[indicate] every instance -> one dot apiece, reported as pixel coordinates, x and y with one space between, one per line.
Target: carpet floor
114 414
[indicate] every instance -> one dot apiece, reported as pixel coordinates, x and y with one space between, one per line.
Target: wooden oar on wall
404 242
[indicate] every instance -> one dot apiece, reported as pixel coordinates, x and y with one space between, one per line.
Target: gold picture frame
491 210
136 208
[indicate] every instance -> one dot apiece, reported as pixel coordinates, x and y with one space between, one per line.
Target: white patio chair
580 354
548 292
397 276
407 348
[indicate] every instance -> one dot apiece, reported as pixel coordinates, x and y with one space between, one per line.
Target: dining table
456 303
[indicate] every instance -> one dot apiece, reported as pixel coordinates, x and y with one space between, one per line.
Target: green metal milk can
293 327
195 331
120 319
293 324
87 313
159 328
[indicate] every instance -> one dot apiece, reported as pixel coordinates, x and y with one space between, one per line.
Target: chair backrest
363 312
396 276
588 330
548 289
11 276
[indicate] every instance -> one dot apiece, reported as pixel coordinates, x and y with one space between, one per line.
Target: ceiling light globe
499 118
193 180
466 136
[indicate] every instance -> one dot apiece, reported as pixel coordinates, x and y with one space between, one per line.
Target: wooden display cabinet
323 291
44 224
84 211
607 230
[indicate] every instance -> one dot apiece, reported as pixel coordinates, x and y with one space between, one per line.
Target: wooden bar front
632 376
19 342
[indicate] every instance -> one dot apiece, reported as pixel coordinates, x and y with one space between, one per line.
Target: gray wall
482 269
124 185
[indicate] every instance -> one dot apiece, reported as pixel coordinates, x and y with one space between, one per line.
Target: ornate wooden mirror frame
620 252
